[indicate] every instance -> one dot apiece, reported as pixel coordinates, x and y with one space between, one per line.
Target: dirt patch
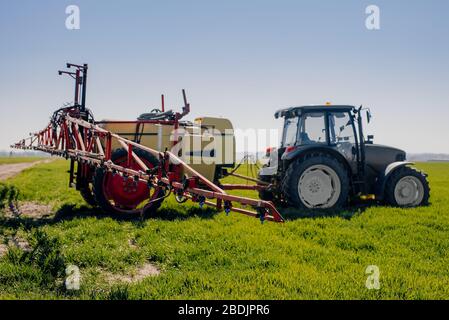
14 241
32 210
10 170
20 243
35 210
144 271
3 249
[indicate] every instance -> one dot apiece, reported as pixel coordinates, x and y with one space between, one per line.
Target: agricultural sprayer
130 167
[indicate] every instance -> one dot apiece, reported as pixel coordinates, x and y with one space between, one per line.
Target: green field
203 254
10 160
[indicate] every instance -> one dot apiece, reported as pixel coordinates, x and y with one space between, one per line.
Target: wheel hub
405 192
319 186
314 186
126 192
409 191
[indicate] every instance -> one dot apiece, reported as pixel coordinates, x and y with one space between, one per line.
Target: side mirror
368 116
370 139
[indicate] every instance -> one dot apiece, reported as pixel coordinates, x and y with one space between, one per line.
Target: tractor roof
294 111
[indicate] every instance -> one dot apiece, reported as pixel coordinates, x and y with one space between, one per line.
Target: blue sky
237 59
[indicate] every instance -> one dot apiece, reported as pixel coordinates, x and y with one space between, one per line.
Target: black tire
290 183
265 194
86 189
88 195
100 196
418 177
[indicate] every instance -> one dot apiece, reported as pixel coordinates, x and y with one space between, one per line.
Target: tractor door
342 136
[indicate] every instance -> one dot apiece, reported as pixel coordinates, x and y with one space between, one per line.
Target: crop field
185 252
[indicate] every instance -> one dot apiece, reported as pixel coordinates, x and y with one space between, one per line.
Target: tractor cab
318 125
321 126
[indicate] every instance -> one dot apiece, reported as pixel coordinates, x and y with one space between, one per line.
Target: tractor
324 163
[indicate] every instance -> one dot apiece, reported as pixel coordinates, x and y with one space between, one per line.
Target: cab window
312 128
341 129
290 131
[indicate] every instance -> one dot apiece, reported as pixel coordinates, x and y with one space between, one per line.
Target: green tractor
324 162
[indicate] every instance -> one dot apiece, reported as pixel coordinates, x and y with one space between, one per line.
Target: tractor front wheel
124 196
407 187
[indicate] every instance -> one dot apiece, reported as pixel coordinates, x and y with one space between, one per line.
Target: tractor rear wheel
317 181
124 196
407 187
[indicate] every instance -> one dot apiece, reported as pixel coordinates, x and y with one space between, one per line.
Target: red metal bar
86 143
130 155
108 147
66 139
242 200
90 141
242 187
164 122
78 138
192 171
249 178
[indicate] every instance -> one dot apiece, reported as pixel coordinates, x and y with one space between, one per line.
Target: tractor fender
383 177
302 150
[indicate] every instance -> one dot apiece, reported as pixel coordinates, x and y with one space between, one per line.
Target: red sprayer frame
71 135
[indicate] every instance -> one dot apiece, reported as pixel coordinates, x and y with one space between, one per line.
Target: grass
205 255
12 160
